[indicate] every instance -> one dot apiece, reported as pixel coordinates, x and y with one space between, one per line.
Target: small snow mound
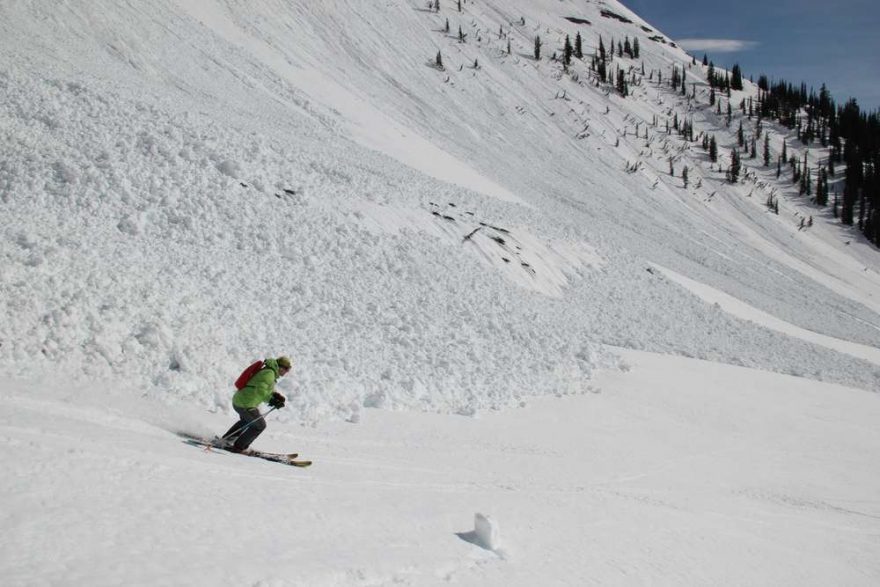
230 168
132 224
66 173
486 532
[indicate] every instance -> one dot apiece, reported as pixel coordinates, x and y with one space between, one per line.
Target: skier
259 389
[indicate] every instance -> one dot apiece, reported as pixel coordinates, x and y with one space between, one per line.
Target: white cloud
716 45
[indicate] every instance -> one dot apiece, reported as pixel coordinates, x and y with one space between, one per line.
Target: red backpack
246 375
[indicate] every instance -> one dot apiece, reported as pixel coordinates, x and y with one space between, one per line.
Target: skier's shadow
193 439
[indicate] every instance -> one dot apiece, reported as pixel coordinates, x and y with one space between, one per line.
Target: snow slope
674 472
187 186
208 186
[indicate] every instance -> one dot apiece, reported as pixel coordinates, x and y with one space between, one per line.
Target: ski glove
277 400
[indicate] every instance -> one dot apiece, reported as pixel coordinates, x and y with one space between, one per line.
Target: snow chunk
132 224
487 532
65 173
230 168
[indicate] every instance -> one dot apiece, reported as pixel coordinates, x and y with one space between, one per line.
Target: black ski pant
245 438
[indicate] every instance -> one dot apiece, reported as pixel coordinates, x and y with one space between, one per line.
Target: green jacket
259 388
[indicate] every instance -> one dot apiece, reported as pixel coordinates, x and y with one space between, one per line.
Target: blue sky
812 41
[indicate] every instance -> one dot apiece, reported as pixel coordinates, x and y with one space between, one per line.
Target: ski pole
249 424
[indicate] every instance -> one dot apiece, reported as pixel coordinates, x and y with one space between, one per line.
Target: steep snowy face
189 186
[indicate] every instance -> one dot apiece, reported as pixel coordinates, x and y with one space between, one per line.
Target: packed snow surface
675 471
188 186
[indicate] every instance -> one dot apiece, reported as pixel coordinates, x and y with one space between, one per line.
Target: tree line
853 137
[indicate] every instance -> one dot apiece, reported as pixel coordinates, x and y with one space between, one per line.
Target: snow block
486 531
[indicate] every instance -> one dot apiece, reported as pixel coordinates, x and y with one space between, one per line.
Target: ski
216 443
288 459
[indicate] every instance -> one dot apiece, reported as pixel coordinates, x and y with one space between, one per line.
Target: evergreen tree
852 183
734 169
567 51
767 150
737 82
439 60
822 187
578 46
684 176
713 150
538 48
740 135
636 51
601 49
805 176
622 88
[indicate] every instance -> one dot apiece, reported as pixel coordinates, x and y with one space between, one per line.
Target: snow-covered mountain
189 185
